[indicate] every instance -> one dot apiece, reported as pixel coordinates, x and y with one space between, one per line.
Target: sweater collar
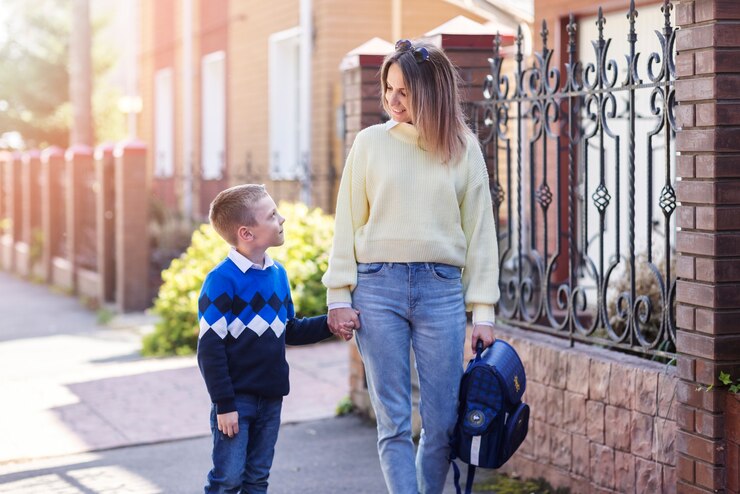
245 264
402 131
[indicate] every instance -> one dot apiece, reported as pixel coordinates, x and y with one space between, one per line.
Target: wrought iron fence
564 191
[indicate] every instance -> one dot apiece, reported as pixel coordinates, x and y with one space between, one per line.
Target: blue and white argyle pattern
232 302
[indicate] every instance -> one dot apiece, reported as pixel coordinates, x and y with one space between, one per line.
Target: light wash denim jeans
241 464
419 306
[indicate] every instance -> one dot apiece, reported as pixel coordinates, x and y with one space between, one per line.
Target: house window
283 104
163 124
213 123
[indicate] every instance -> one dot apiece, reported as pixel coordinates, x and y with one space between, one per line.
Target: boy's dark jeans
241 464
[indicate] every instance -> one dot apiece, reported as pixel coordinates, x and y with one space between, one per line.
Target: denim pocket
369 267
445 272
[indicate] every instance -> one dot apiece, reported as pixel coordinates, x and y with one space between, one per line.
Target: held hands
484 333
343 321
228 423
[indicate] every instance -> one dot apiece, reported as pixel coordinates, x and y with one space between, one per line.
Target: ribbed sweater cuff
484 312
334 295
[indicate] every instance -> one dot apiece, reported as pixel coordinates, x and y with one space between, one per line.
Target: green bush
308 235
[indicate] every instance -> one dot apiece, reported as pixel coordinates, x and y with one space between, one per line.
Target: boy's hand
484 333
228 423
343 321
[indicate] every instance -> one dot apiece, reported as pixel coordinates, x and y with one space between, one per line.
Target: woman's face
396 95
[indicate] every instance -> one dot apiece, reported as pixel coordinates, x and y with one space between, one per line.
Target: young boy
246 317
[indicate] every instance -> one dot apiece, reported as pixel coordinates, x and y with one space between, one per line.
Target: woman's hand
484 333
343 321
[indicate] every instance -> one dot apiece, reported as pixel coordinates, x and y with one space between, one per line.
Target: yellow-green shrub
308 234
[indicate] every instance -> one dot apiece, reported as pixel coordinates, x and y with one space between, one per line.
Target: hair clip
420 54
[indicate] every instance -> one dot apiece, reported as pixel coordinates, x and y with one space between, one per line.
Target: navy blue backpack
492 419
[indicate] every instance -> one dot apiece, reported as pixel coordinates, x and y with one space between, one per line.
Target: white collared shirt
244 264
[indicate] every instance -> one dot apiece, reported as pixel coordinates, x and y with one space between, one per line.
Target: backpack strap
469 481
456 471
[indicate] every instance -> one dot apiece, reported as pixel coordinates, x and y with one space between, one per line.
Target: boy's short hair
233 208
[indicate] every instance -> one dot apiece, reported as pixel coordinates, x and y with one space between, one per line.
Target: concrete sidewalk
84 413
72 386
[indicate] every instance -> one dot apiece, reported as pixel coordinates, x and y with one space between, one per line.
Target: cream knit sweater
399 203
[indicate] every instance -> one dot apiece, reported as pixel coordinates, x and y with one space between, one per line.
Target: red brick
718 270
717 10
685 367
717 166
733 467
685 417
710 476
719 35
725 296
720 218
717 322
685 468
685 115
685 64
690 393
709 425
685 166
725 347
685 317
717 113
713 61
685 13
685 265
704 192
715 139
684 488
537 393
617 434
686 217
706 450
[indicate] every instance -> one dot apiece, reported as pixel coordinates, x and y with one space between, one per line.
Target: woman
414 246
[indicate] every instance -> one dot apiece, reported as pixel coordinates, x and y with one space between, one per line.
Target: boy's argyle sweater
246 318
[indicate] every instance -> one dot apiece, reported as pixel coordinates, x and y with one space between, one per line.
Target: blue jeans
419 306
241 464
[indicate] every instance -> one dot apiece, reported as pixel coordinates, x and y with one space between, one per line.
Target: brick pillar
20 248
31 213
132 195
52 208
105 218
10 193
708 287
362 108
78 162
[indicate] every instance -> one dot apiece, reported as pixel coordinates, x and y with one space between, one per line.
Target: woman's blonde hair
432 85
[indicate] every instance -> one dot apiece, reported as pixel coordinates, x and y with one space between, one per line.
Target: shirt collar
244 264
390 124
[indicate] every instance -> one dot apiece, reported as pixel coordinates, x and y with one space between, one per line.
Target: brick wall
708 290
601 421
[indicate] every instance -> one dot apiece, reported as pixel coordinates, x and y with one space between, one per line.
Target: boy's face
268 230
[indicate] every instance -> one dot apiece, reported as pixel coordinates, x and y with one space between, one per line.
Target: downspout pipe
304 133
